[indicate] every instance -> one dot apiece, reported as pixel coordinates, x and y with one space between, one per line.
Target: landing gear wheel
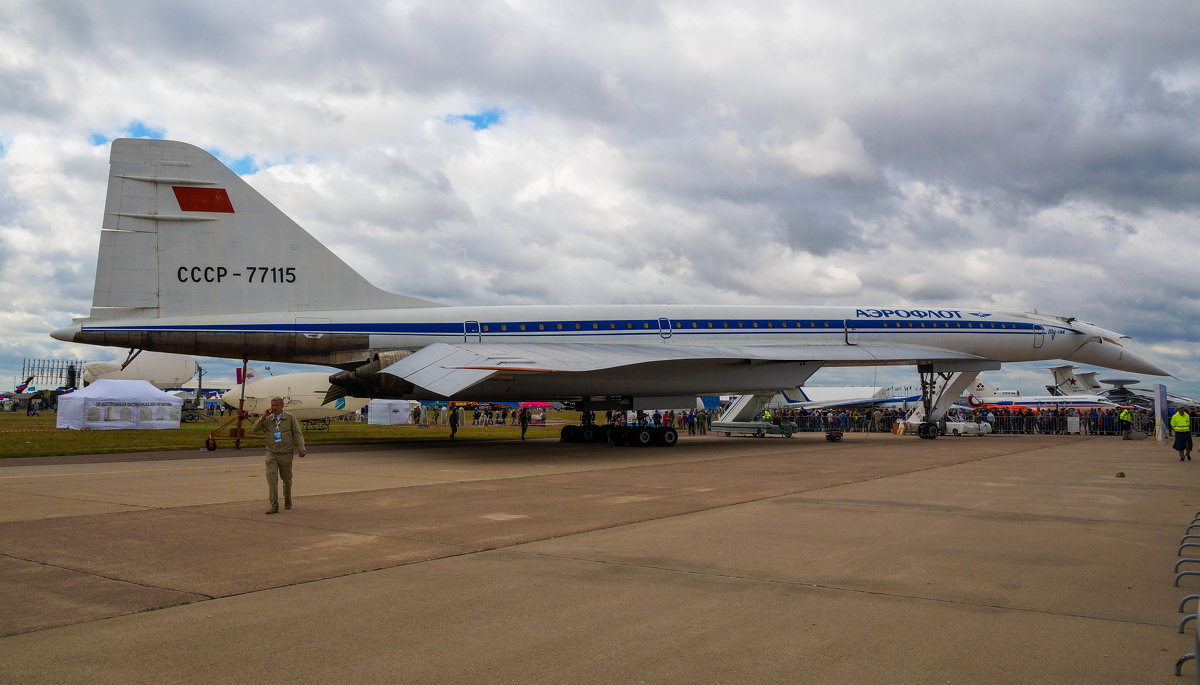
588 434
667 437
643 437
927 431
618 435
569 434
210 445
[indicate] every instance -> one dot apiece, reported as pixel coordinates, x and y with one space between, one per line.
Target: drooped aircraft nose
1113 355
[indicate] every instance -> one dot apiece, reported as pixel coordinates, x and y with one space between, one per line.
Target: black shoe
274 509
287 504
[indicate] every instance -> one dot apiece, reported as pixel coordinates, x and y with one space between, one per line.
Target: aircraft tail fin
1066 381
1088 382
184 235
250 376
982 389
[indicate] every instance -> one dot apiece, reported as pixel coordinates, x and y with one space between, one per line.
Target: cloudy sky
1019 155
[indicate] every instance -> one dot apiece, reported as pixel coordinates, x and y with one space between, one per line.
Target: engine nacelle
367 381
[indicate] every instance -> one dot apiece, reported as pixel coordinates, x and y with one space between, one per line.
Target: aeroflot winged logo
908 313
193 199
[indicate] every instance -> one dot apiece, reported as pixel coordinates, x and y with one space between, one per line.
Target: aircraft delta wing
193 260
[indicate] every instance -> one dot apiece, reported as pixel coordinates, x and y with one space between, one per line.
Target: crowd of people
481 415
32 406
694 421
1021 420
1114 421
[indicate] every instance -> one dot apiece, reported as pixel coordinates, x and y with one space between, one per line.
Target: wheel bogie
643 436
666 437
618 435
927 431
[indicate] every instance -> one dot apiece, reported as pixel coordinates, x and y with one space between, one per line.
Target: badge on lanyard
278 436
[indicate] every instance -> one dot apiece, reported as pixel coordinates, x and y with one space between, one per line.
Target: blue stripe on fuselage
585 328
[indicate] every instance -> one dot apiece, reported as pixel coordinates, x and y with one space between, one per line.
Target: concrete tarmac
723 560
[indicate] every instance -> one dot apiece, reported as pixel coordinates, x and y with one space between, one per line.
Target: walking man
454 420
283 438
524 419
1181 423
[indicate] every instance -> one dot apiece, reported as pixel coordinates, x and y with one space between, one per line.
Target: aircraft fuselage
345 338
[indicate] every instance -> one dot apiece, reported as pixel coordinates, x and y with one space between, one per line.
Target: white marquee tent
110 404
390 412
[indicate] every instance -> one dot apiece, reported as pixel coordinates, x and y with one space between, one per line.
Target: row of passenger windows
680 325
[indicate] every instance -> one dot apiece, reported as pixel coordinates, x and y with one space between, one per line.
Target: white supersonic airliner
194 261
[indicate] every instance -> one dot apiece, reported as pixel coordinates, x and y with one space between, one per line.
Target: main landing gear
939 390
640 436
927 430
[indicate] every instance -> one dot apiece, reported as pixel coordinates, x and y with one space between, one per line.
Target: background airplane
193 260
303 395
1123 392
849 397
22 391
1070 382
161 370
984 394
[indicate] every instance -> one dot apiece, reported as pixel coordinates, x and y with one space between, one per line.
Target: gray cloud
1006 155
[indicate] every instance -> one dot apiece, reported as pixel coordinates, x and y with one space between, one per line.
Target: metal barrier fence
1028 424
1045 424
838 422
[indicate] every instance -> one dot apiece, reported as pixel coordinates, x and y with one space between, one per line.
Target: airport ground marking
109 473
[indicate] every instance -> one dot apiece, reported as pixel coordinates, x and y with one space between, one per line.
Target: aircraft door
1039 336
664 327
851 333
471 332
